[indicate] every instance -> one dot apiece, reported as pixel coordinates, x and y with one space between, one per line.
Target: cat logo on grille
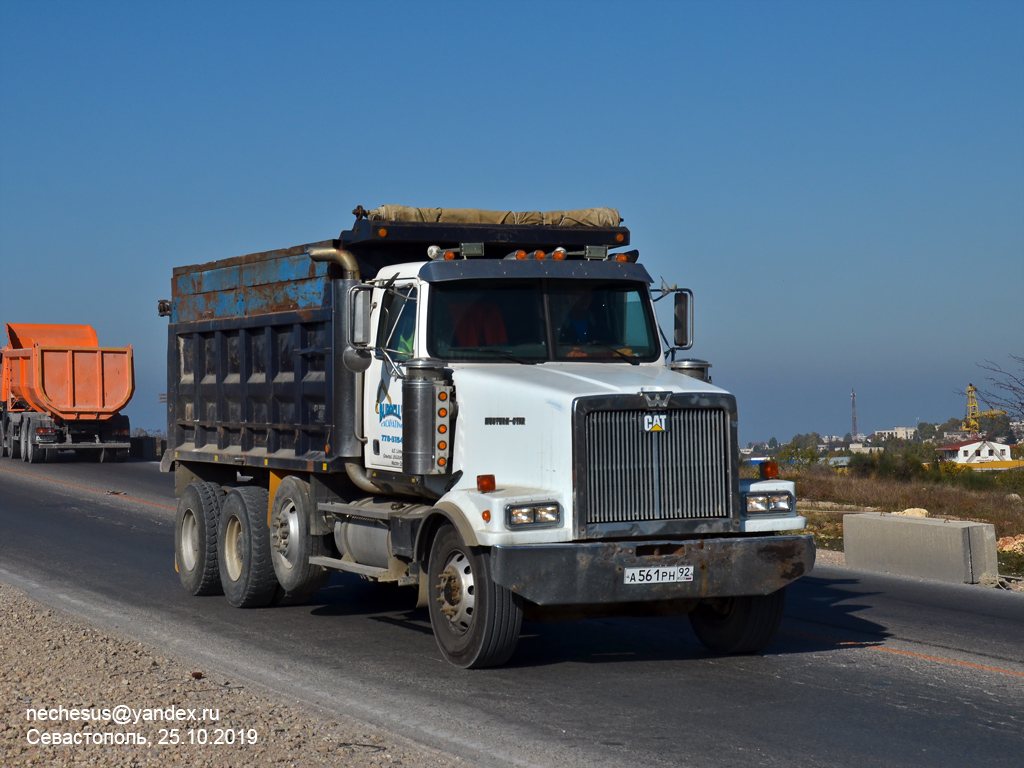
655 422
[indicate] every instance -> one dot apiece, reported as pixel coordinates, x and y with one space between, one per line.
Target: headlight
757 503
769 503
536 515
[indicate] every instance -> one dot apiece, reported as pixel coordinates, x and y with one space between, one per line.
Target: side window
396 332
636 332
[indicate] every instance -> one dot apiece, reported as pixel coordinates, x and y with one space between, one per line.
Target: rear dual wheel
195 538
243 549
292 543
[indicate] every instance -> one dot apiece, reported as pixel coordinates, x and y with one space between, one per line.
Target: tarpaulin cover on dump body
586 217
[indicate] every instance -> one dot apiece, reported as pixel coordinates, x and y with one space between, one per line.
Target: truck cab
499 423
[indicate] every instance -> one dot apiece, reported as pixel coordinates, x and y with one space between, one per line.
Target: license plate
660 575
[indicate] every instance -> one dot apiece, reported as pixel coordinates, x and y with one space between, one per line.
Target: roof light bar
466 250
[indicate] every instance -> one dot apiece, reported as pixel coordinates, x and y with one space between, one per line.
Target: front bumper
591 573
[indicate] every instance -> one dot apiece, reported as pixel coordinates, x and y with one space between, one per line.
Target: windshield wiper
499 352
617 352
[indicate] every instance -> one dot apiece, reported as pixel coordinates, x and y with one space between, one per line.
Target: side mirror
683 311
359 326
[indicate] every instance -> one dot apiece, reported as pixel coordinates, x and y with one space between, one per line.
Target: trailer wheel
292 544
736 625
243 549
4 439
13 443
195 538
476 622
25 441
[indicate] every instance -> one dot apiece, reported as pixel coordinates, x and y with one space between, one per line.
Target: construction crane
970 422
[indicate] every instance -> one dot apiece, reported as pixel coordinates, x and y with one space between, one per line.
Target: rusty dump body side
252 374
61 371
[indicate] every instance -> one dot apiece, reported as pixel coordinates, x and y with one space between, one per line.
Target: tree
798 455
1006 389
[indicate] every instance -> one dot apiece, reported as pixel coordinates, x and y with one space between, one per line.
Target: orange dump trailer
62 391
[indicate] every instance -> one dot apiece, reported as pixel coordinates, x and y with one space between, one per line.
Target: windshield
540 320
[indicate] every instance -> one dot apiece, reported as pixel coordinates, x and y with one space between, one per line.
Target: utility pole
853 408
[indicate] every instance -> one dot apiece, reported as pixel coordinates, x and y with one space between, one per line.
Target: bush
1012 480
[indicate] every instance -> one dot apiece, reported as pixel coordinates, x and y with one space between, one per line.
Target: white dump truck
478 405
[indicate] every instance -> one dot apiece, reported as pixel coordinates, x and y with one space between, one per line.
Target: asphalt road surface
867 670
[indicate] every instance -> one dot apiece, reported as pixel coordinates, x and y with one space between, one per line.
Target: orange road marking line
906 653
85 488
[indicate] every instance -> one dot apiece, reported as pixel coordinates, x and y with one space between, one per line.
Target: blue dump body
252 375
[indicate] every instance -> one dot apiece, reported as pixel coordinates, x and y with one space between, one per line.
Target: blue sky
840 183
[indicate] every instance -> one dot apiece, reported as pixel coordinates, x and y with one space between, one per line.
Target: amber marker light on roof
539 255
769 470
621 257
485 483
558 254
449 255
382 232
619 237
520 255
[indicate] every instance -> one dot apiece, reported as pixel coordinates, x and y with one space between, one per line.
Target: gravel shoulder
50 660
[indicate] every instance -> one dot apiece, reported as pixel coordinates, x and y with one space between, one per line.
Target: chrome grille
681 473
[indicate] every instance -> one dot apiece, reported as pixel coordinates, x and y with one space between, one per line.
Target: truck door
395 344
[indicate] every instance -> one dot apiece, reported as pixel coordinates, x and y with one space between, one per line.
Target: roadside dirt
50 661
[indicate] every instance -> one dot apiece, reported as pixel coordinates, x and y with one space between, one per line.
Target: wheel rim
457 593
285 535
189 540
233 548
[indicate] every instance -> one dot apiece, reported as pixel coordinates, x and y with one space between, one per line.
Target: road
867 670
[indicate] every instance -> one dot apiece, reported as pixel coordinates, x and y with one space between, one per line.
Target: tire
195 539
25 442
50 455
13 444
738 625
243 549
292 544
476 622
121 456
5 450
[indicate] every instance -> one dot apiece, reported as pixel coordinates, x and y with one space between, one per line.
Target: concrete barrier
143 448
944 550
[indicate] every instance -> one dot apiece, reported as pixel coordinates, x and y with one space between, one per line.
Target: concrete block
944 550
144 448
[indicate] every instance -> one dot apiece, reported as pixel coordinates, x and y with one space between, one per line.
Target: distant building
974 452
957 436
861 448
840 463
896 433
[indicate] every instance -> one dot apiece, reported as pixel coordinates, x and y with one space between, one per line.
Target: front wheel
476 622
243 549
737 625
